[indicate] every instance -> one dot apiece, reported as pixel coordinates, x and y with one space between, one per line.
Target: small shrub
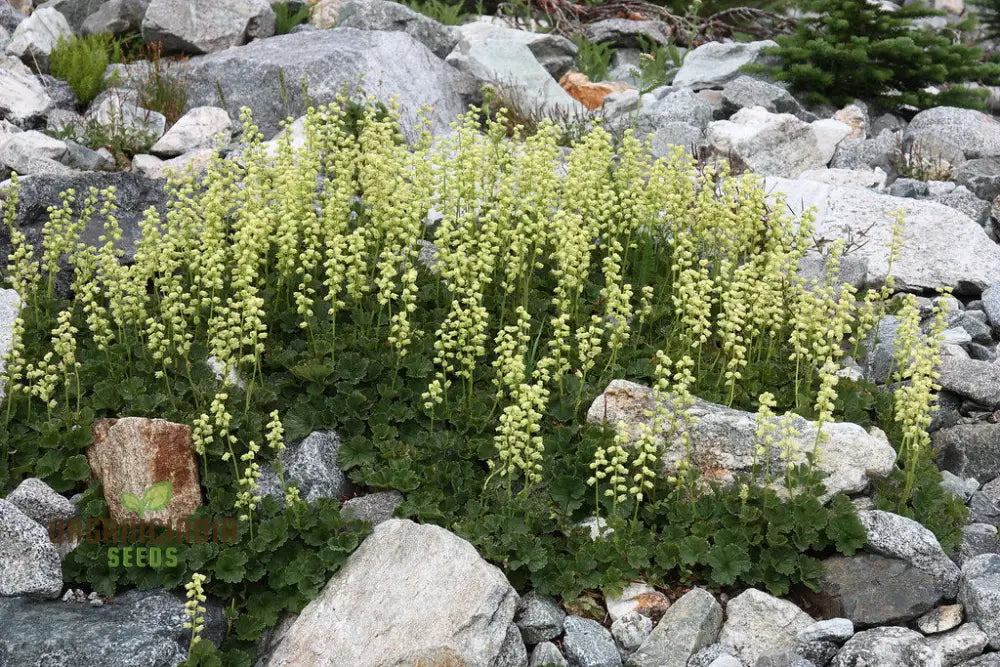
592 59
443 12
657 65
81 62
160 90
285 19
855 49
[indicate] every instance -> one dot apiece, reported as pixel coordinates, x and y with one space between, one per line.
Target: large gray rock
887 647
10 308
969 450
896 536
974 133
118 112
26 154
553 52
388 64
194 130
976 380
681 106
312 466
36 36
374 508
869 153
195 27
941 247
630 631
75 11
981 176
715 64
980 594
758 624
977 539
984 506
40 503
10 18
872 590
29 562
519 78
723 440
746 91
513 653
628 34
140 628
539 618
689 625
391 16
588 644
416 593
775 144
547 654
986 660
966 203
966 641
116 17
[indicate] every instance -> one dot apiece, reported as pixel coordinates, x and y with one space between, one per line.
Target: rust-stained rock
132 454
588 93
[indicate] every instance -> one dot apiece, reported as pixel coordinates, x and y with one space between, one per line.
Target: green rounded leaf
158 496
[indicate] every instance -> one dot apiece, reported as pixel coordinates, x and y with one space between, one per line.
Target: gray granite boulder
896 536
373 507
974 133
689 625
75 11
196 129
746 91
873 590
587 643
312 466
980 594
139 628
941 247
714 64
553 52
984 506
418 594
391 16
977 539
969 450
387 64
547 654
976 380
36 36
539 618
10 308
965 642
723 440
29 562
887 647
115 16
628 34
758 624
981 176
40 503
193 27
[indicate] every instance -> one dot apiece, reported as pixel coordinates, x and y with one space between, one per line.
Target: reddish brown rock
588 93
135 454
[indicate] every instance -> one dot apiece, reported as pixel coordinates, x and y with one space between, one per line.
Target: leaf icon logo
155 498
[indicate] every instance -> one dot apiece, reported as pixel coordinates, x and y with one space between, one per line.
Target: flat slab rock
873 590
723 440
941 246
136 628
417 594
